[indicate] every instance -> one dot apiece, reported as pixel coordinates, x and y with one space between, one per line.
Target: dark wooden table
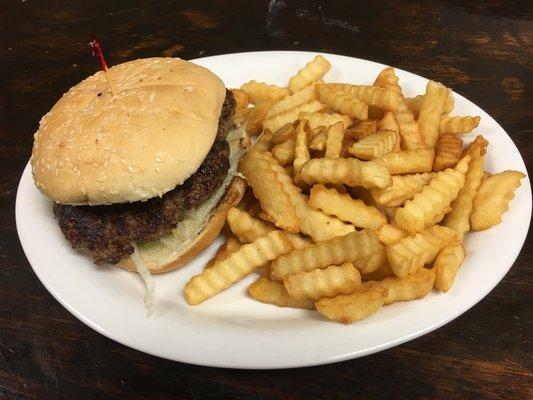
484 51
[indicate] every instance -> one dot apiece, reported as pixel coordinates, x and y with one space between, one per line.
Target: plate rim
242 365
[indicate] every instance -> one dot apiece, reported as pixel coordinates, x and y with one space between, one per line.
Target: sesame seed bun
96 148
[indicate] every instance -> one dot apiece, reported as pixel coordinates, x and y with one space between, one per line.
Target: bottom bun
158 262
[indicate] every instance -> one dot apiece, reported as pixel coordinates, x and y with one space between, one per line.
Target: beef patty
108 231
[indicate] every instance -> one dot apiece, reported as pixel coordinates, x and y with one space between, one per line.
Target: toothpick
96 49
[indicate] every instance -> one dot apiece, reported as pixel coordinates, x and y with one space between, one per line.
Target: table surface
482 49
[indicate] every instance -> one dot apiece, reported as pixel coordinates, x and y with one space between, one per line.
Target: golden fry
385 99
236 266
456 124
301 152
345 208
259 92
319 283
306 95
334 137
413 252
434 199
231 245
431 110
411 138
362 248
375 145
414 103
269 191
313 71
493 198
387 79
283 133
245 227
342 102
277 121
459 217
284 152
352 307
385 271
362 129
409 161
403 188
390 234
319 141
410 287
351 172
448 152
318 119
273 292
388 122
447 265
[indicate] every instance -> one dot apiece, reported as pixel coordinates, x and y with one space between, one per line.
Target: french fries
374 145
448 151
389 234
229 246
236 266
362 248
459 217
387 79
431 109
303 96
351 172
362 129
277 121
433 201
273 292
493 198
409 161
318 119
269 191
454 125
352 307
403 188
411 188
413 252
284 152
245 227
342 102
319 283
447 264
414 103
385 99
282 134
259 92
334 137
345 208
410 287
313 71
301 152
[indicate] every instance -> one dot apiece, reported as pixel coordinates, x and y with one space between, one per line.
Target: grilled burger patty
108 231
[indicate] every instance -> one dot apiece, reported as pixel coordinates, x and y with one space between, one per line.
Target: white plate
231 330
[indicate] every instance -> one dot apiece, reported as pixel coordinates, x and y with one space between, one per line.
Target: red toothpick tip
95 45
96 50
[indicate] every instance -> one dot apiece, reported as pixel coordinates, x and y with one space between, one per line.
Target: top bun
96 148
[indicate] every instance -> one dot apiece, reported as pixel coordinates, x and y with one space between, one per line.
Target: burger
143 172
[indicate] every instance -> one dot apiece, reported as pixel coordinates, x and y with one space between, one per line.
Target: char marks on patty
108 231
